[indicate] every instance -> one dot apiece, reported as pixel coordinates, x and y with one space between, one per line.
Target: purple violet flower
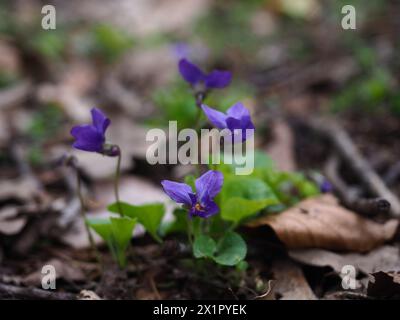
325 186
91 137
215 79
200 203
237 119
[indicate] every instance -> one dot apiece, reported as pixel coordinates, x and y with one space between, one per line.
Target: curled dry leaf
385 258
290 282
320 222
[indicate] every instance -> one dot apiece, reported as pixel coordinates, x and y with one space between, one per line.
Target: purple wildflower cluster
237 118
91 137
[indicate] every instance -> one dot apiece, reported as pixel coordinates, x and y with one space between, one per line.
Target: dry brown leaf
320 222
385 258
290 282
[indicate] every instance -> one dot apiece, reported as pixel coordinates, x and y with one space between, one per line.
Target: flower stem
190 231
116 182
83 215
199 98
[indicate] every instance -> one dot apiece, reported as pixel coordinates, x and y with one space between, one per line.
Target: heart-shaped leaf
116 232
237 209
204 246
149 215
231 249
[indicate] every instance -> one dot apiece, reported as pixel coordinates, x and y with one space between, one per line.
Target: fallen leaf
385 258
290 282
320 222
384 284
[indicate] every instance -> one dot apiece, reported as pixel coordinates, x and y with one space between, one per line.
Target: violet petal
217 118
218 79
208 185
190 72
179 192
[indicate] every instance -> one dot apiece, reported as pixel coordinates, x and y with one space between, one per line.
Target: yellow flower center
198 207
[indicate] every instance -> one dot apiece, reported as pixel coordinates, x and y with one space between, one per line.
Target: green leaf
246 187
237 209
149 215
179 224
204 246
102 228
121 229
231 249
244 196
117 233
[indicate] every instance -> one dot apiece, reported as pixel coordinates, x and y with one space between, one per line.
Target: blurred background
291 61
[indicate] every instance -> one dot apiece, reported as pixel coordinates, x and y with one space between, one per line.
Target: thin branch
350 196
345 146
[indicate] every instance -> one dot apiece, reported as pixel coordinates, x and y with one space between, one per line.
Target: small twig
13 292
350 196
353 157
